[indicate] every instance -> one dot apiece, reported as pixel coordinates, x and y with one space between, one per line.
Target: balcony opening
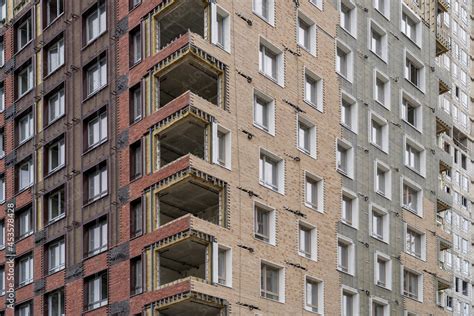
182 260
190 196
187 136
195 304
184 16
189 75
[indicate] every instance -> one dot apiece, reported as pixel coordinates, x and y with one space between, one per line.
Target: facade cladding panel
264 157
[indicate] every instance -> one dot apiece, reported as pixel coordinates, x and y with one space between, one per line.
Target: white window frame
28 278
227 139
381 301
278 60
271 222
422 155
61 155
388 270
101 12
350 252
311 134
313 251
281 280
61 259
99 70
387 177
349 58
354 117
280 172
349 149
353 16
315 87
216 11
228 264
355 208
29 164
100 119
418 110
311 33
419 297
270 107
61 207
320 285
28 71
28 121
384 126
422 242
387 91
421 68
419 197
257 10
385 222
355 300
319 181
416 19
59 46
374 26
57 101
385 11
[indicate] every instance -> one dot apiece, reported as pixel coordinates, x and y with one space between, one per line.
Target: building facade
264 157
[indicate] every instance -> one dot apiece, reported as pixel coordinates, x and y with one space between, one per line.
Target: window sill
412 126
50 74
350 129
276 190
306 153
379 147
95 199
135 64
349 224
53 121
223 165
54 271
316 209
344 77
56 219
20 191
263 241
94 146
92 41
308 50
272 24
351 34
418 45
414 256
315 106
345 272
418 172
262 128
52 21
383 14
306 257
23 237
275 81
385 106
272 299
383 287
19 286
23 142
91 308
55 170
23 95
422 90
94 93
386 196
95 254
309 310
134 7
223 47
23 47
383 59
379 239
345 174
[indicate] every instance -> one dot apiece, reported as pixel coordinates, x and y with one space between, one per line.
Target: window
349 208
2 51
136 103
307 241
96 180
383 180
3 10
378 41
412 284
55 205
56 256
379 307
97 129
96 291
378 132
344 61
314 296
54 8
314 192
96 75
383 6
271 61
414 243
264 113
350 302
414 156
313 90
134 4
414 71
223 261
2 193
24 266
96 22
383 271
96 237
348 16
264 223
411 111
25 127
382 89
24 309
24 32
412 197
349 112
136 226
136 275
55 303
379 222
55 105
222 149
23 223
220 27
272 282
411 25
55 55
135 46
25 174
136 160
271 171
345 158
345 255
2 144
306 33
264 9
24 79
56 155
307 137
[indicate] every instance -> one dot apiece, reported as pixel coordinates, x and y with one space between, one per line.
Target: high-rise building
235 157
